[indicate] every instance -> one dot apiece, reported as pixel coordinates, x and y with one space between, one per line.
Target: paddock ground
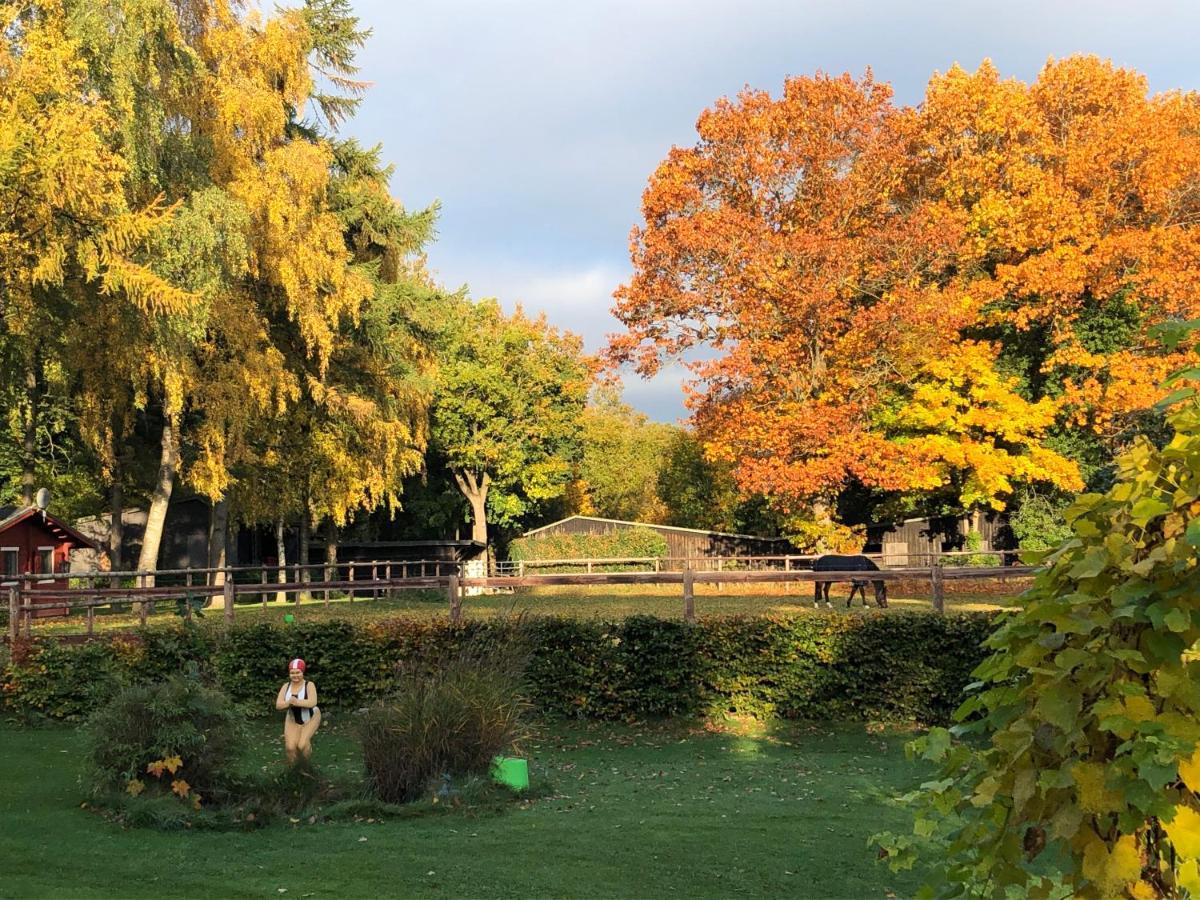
603 602
631 811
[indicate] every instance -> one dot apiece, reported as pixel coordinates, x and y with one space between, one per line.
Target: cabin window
10 562
45 561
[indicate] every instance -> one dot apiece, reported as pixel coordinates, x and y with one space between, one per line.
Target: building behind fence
914 541
682 543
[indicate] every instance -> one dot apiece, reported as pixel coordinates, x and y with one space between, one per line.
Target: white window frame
40 548
16 550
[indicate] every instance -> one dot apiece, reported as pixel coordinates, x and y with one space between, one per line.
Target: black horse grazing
833 563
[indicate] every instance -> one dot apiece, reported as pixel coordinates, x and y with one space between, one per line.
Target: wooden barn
35 547
914 542
682 543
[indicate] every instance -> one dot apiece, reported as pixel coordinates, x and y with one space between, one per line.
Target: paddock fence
188 591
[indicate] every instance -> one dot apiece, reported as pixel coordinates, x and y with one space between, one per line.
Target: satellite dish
42 498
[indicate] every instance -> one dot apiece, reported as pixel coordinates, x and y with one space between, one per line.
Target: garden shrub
451 722
907 667
177 737
629 543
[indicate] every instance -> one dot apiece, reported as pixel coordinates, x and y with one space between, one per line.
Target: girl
302 718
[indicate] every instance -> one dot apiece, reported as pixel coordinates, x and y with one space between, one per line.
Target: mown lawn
609 602
627 811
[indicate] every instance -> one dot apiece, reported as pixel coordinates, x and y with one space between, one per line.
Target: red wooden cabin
35 550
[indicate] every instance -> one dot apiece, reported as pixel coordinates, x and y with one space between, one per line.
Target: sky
536 124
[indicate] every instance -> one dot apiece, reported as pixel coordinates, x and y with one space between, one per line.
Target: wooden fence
99 589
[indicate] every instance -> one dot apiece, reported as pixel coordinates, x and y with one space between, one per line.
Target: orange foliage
855 268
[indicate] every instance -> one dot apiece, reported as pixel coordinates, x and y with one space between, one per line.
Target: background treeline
204 287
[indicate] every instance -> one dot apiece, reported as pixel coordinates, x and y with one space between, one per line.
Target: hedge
902 667
628 543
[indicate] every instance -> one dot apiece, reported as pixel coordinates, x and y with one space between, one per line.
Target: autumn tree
919 300
70 232
507 411
1078 744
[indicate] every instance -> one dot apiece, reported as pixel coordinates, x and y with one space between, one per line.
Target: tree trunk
116 509
303 539
331 551
281 575
156 517
29 441
218 537
476 490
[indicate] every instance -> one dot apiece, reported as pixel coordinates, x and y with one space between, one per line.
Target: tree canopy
921 300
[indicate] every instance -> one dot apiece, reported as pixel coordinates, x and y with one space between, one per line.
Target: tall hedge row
907 667
628 543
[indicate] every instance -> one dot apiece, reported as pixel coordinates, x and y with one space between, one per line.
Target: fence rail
26 600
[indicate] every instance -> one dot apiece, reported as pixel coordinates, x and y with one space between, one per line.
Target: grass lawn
655 810
607 602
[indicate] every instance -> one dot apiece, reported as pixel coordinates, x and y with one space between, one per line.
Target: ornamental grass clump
176 738
1080 775
448 722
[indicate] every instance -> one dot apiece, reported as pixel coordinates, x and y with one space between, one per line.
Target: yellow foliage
1183 831
1112 871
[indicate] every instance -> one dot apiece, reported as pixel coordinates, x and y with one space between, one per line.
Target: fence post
91 606
720 568
350 578
14 613
455 599
935 581
689 598
143 608
27 611
374 579
230 591
187 595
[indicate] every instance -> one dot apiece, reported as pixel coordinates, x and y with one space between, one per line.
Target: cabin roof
14 515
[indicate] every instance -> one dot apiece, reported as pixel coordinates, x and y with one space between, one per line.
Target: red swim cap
296 664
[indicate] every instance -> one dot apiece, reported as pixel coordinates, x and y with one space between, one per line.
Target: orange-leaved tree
925 300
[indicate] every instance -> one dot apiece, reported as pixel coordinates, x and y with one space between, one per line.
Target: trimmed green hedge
628 543
907 667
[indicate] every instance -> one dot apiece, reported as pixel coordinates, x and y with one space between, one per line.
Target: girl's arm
310 701
280 703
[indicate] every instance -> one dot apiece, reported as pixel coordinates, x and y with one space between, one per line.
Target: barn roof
12 515
727 534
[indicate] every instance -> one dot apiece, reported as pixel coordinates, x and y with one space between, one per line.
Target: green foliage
623 456
450 722
1081 744
157 737
507 408
625 543
905 667
1039 523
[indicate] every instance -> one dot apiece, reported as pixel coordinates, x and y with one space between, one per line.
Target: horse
834 563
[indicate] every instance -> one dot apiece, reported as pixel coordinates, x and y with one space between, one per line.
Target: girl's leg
291 738
307 730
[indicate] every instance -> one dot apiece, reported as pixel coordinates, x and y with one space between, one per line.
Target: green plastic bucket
288 619
511 772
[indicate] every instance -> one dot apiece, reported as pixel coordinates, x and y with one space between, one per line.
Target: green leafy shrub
628 543
449 722
1082 750
177 737
1039 523
59 680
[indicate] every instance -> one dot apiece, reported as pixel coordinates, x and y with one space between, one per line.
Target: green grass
609 602
627 811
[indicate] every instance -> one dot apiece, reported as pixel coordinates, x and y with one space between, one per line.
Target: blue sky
536 124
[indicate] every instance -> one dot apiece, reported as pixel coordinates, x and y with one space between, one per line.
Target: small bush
449 722
177 737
